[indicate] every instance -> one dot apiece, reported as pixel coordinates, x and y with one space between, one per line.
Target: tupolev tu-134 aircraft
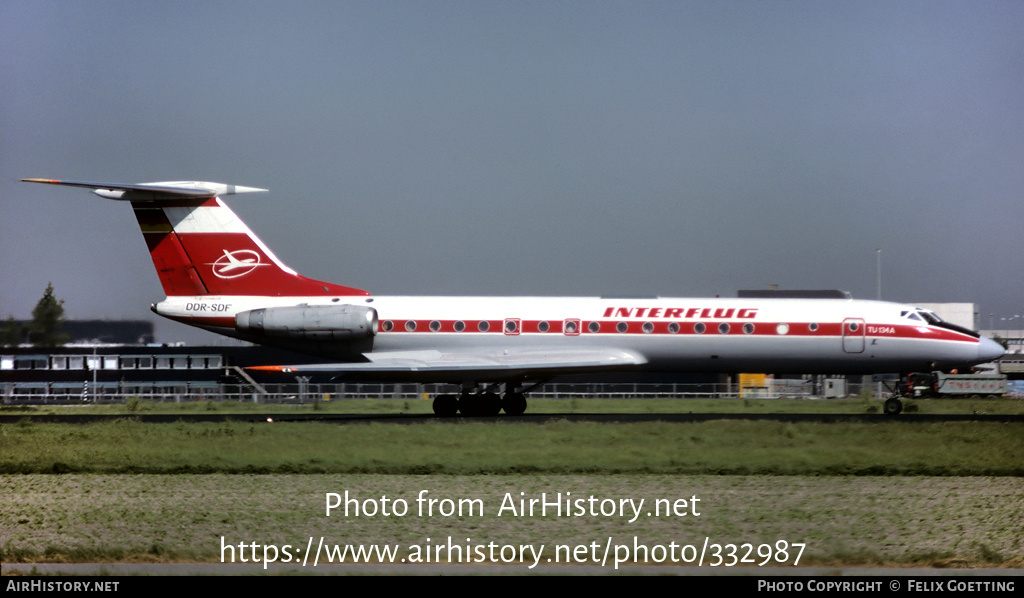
219 276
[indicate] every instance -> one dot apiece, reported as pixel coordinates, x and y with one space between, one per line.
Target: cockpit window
912 315
933 320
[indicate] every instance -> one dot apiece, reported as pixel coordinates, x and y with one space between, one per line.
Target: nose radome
989 350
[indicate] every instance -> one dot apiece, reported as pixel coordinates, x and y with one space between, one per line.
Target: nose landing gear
893 406
907 386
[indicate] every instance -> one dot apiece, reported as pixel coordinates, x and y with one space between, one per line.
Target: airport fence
41 393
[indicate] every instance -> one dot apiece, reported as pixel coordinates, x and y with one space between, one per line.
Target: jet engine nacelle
310 322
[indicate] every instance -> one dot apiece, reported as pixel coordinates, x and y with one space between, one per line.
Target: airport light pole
878 268
878 272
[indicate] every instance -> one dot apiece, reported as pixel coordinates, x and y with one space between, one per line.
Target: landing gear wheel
893 406
490 404
483 404
514 403
446 405
468 406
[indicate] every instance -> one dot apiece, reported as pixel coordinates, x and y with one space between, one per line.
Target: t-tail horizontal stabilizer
154 191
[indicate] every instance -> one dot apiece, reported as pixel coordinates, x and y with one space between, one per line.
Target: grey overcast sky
540 148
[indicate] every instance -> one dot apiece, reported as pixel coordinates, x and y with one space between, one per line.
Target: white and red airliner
219 276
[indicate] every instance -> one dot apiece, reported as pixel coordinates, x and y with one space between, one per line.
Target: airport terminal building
69 375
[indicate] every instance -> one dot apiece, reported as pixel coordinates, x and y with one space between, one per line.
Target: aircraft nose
989 350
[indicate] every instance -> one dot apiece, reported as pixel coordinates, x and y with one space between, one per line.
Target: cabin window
622 327
673 327
648 327
483 326
460 326
748 328
435 326
699 327
782 329
387 325
813 327
594 327
723 328
410 326
570 327
543 327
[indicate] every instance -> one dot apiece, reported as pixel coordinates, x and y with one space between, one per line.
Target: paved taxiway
538 418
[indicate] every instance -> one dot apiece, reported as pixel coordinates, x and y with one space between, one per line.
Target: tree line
45 329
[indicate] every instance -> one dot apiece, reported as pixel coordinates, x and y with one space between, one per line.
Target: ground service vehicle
939 384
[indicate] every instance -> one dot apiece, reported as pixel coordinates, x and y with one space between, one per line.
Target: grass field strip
864 520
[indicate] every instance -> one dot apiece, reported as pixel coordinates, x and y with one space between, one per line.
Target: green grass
859 494
844 521
714 447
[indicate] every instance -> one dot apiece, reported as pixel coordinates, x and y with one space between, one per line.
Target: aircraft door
854 333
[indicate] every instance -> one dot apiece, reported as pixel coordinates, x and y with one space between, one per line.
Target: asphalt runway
869 418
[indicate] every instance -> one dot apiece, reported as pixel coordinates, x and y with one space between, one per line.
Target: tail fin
200 247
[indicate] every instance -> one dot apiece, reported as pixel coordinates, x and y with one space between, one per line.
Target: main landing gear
480 404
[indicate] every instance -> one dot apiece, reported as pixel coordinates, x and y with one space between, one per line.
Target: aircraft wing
479 365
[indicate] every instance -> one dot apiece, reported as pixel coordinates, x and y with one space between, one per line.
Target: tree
10 333
45 329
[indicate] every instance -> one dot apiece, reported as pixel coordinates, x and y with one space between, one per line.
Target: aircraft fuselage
836 336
